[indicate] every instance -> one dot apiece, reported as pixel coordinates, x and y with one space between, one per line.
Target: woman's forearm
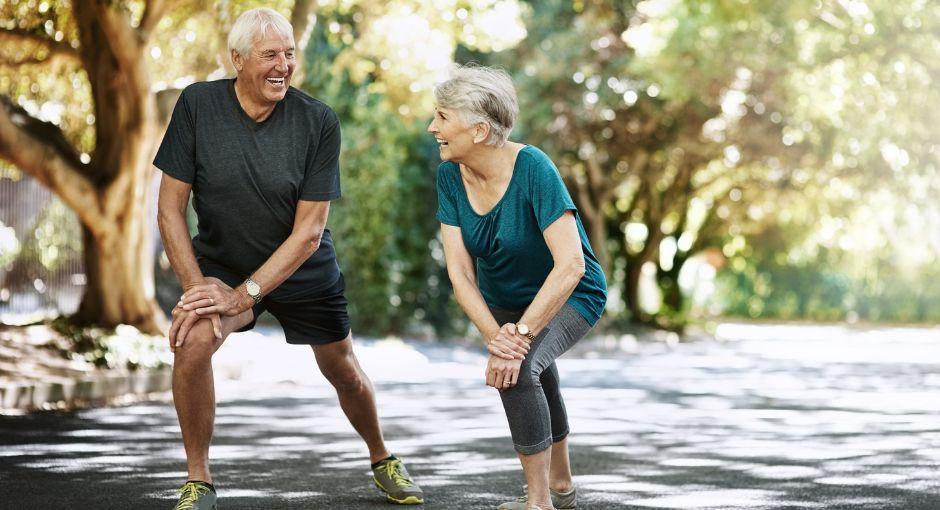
472 303
561 282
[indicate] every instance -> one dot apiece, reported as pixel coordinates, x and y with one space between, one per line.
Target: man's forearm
179 247
290 255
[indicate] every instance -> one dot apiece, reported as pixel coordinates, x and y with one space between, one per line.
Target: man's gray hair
252 25
481 94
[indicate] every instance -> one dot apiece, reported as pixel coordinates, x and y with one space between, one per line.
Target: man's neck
257 111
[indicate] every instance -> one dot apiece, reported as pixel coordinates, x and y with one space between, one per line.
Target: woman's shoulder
536 163
447 171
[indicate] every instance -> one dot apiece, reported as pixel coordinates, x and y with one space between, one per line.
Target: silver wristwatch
253 290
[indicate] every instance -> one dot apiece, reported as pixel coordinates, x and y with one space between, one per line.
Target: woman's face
455 139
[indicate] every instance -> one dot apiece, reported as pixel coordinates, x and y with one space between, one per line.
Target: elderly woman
521 267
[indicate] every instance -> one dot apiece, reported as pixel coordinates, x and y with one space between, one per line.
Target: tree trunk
597 234
631 289
119 277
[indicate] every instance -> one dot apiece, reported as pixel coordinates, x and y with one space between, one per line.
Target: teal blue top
512 257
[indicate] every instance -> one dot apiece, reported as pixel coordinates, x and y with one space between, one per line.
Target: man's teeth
276 81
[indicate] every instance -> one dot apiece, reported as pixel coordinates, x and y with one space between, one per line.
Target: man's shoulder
305 104
205 88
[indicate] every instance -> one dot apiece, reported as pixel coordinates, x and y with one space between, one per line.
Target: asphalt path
763 417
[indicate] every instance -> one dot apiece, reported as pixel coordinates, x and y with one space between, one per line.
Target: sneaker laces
189 493
393 470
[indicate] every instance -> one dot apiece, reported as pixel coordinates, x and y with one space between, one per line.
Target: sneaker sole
410 500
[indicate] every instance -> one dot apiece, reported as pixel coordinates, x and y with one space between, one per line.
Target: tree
88 129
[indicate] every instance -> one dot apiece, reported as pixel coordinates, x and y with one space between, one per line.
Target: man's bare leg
339 365
194 390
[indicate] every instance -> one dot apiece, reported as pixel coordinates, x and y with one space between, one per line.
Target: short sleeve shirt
247 177
508 243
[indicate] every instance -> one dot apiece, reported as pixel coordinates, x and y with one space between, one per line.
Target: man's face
266 71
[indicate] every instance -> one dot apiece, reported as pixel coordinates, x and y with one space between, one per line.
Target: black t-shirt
247 177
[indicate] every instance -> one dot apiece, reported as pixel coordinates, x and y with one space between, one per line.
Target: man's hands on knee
215 297
185 317
183 322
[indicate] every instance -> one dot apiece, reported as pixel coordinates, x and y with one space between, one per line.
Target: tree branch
40 149
54 48
302 19
153 13
119 38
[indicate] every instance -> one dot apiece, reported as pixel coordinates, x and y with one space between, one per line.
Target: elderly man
262 161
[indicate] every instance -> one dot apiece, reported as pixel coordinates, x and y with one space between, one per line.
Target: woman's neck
489 163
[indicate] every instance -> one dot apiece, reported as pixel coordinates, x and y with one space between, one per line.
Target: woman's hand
502 374
508 344
215 296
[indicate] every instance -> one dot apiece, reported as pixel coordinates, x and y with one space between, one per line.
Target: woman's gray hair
252 25
481 94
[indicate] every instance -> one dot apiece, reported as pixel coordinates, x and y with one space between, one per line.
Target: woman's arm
564 243
463 278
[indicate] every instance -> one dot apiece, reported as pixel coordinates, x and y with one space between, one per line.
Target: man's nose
282 63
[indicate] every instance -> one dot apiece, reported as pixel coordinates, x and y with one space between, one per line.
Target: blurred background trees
742 157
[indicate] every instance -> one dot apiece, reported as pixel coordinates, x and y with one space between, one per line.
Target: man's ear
481 131
237 61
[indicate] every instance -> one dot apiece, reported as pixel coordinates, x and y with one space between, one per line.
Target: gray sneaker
392 478
196 496
560 500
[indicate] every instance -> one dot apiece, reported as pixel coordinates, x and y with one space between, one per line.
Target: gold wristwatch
524 330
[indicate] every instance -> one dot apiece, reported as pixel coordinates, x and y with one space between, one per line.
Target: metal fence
41 268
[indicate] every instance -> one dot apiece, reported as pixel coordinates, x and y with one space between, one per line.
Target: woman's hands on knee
501 373
508 344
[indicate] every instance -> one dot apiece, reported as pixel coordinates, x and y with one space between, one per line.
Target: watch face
253 288
523 329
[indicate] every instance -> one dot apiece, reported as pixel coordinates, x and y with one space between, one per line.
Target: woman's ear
481 131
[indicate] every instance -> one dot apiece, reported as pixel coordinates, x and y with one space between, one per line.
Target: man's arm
303 241
171 217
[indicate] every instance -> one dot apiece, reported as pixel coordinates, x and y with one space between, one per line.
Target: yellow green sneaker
196 496
392 478
560 500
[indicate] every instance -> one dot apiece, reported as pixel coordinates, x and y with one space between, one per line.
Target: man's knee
200 342
344 378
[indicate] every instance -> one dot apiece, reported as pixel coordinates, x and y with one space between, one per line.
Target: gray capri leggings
534 406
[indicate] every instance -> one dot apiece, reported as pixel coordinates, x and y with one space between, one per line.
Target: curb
83 392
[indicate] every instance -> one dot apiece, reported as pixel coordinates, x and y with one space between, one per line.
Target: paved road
770 417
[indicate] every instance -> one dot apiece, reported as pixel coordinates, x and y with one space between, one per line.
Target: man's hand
508 344
215 297
502 374
184 320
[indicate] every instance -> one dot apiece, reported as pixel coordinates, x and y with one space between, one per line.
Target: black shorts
314 319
